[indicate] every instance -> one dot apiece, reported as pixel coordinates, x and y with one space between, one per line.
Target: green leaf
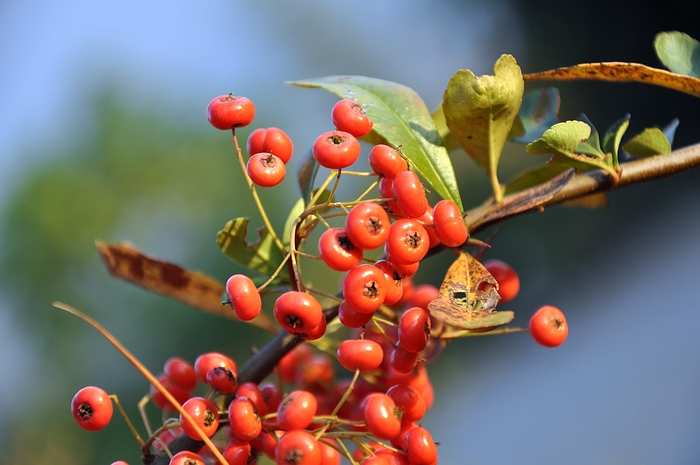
678 52
650 142
401 118
567 141
538 112
307 169
480 112
611 141
443 130
297 210
592 144
262 256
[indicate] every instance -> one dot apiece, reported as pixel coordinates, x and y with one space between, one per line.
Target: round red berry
252 392
428 223
222 380
266 169
211 360
297 448
181 395
237 452
409 401
337 250
423 294
381 416
420 447
386 191
394 282
408 242
203 413
386 161
244 419
244 297
349 116
272 394
360 354
506 277
403 361
230 111
351 318
297 410
364 288
548 326
92 408
449 224
181 373
256 141
410 194
314 333
278 143
186 457
297 312
367 225
414 329
336 149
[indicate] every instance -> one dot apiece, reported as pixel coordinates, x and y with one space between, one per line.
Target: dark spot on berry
345 243
85 411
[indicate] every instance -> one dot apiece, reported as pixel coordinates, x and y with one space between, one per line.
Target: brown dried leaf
468 296
622 72
192 288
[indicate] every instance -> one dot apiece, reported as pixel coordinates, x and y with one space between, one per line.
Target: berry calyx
230 111
297 448
548 326
367 225
364 288
336 149
266 169
92 408
408 242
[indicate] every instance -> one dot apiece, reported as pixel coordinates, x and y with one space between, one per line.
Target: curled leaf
262 256
649 142
480 112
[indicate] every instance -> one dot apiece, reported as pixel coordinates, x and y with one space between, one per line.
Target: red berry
386 191
181 395
506 277
349 116
237 452
408 242
380 415
244 297
403 361
210 360
244 419
410 194
266 169
409 401
293 362
449 224
272 394
181 373
186 457
364 288
297 410
337 251
329 456
420 447
230 111
351 318
428 223
423 295
317 373
222 380
297 312
336 149
204 413
386 161
270 140
360 354
252 392
297 448
414 329
314 333
548 326
394 287
92 408
367 225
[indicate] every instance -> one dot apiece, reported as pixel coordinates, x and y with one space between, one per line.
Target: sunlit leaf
650 142
401 118
443 130
262 256
480 112
678 52
621 72
612 138
592 145
561 139
192 288
538 112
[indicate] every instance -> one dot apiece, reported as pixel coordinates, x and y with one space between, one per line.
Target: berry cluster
305 414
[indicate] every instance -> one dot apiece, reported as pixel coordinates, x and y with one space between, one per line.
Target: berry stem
136 434
346 394
276 273
254 193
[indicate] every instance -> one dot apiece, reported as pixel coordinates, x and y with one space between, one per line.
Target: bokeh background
103 135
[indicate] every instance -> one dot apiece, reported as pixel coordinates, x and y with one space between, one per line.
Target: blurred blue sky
622 390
